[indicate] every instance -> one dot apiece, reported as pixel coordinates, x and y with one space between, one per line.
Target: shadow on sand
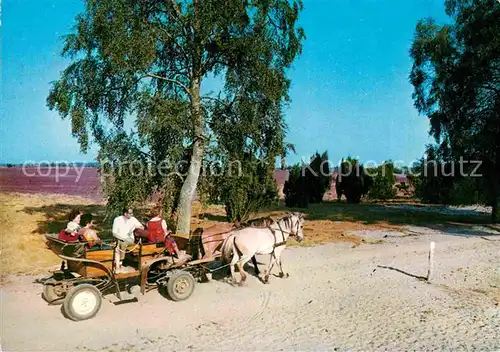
55 217
421 278
459 223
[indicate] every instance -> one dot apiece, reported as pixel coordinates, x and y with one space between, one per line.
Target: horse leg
254 262
267 272
241 264
231 266
280 264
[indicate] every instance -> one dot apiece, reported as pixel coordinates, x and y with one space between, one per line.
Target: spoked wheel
180 286
53 292
82 302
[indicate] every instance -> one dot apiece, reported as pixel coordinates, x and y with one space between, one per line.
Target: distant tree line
55 163
307 183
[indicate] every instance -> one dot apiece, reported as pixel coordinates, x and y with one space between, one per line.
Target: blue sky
350 91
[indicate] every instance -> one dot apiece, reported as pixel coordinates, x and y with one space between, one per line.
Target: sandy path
333 300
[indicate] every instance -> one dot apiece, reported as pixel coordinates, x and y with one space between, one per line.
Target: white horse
243 244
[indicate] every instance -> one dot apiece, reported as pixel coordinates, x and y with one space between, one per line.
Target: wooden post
431 260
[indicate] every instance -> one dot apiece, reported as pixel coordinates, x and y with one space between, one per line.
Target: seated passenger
70 233
87 233
158 232
125 229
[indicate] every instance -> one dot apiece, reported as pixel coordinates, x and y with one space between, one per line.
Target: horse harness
276 244
282 243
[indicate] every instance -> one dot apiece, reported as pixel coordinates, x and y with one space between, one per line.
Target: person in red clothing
71 232
158 232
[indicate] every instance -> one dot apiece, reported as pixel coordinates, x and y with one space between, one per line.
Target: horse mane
287 219
258 222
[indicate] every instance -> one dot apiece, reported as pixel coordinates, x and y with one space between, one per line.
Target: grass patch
22 246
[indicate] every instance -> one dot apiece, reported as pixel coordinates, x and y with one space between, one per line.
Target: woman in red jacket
158 232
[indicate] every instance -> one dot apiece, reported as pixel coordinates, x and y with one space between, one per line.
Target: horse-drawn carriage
88 273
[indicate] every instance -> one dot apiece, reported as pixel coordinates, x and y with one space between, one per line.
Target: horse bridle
282 243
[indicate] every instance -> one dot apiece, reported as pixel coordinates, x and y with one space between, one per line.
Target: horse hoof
231 281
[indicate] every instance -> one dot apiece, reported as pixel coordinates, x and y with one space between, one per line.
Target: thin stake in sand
431 260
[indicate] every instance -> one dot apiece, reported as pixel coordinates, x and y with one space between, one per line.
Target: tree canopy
147 60
456 79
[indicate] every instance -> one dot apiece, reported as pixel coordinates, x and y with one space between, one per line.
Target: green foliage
383 182
468 191
130 176
456 79
147 60
401 170
245 196
318 177
436 180
288 147
295 188
308 183
352 181
432 177
244 186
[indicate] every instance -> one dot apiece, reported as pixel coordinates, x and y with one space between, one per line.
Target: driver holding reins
125 228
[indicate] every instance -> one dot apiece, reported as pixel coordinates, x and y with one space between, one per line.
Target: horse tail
227 248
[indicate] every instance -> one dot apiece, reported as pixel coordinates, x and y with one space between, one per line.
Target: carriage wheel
82 302
180 286
53 292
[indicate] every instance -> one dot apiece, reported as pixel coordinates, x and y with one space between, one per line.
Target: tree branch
180 84
217 100
174 40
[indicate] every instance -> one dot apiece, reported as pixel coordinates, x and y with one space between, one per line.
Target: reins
282 243
131 250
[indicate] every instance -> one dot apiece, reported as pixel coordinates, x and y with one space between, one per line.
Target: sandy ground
338 297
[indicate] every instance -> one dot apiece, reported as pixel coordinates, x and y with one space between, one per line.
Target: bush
467 191
318 177
430 185
247 193
352 181
383 182
308 183
434 182
295 189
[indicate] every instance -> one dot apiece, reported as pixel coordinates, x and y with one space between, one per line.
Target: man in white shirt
123 230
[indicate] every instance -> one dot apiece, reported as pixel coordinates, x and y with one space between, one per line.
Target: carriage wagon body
86 274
